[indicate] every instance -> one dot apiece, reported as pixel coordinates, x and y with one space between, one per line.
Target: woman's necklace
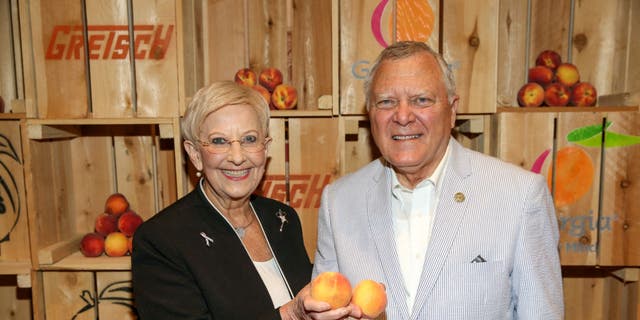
242 229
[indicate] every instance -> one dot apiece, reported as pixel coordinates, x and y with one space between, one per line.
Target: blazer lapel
449 214
381 229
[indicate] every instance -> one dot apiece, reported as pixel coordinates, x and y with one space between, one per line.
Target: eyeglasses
248 143
418 102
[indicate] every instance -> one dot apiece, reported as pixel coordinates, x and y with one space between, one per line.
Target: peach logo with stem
574 168
414 21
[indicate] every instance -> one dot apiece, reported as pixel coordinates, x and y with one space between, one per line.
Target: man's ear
194 154
454 109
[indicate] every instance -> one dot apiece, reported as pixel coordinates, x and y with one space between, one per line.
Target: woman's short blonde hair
215 96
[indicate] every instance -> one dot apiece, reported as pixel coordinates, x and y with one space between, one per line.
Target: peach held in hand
332 288
371 297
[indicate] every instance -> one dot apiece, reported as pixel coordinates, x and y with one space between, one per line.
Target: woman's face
233 174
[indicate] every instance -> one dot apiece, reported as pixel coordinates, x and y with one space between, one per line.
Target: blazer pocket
483 289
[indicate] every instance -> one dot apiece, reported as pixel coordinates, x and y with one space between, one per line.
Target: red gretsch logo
108 42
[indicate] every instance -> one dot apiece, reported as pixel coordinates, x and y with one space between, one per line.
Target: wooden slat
60 84
56 252
314 146
69 295
516 144
578 219
111 89
157 74
604 42
77 262
135 172
266 37
7 63
358 49
222 61
14 226
13 301
274 182
621 196
550 25
311 60
115 294
512 43
470 46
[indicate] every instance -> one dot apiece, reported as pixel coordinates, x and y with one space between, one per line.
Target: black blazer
179 274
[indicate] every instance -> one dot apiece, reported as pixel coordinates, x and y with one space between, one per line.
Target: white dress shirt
412 223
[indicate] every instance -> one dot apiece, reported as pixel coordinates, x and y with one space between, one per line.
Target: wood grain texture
470 46
550 24
621 197
64 293
314 154
358 50
14 225
115 293
311 72
61 85
600 34
512 43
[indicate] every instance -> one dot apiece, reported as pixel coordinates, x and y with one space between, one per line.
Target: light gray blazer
506 217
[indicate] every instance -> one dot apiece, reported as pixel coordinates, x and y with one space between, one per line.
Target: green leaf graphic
586 132
591 136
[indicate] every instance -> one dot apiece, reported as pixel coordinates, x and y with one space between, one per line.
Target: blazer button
459 197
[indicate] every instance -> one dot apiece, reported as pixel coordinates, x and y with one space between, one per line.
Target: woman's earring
199 174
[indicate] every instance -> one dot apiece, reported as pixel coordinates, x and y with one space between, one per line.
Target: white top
270 274
269 270
412 223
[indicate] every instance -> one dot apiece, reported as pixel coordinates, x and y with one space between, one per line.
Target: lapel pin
283 218
459 197
207 240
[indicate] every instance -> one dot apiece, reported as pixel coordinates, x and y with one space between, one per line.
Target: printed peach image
371 297
574 172
332 288
414 20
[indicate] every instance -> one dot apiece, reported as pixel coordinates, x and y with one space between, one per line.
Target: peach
567 74
115 244
584 95
332 288
129 222
264 92
370 296
106 223
531 94
270 78
92 244
116 204
284 97
549 59
556 94
541 75
246 76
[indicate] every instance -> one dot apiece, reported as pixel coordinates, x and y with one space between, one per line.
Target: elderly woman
222 252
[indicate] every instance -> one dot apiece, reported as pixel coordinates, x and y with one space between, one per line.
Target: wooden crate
15 301
11 82
88 295
82 65
73 166
225 36
15 257
596 216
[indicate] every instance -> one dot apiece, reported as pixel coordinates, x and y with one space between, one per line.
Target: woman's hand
303 306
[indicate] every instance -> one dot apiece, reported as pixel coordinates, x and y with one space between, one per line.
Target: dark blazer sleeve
164 288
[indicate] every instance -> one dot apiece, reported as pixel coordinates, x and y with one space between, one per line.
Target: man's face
411 118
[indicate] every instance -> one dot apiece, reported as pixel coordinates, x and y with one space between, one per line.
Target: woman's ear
194 154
